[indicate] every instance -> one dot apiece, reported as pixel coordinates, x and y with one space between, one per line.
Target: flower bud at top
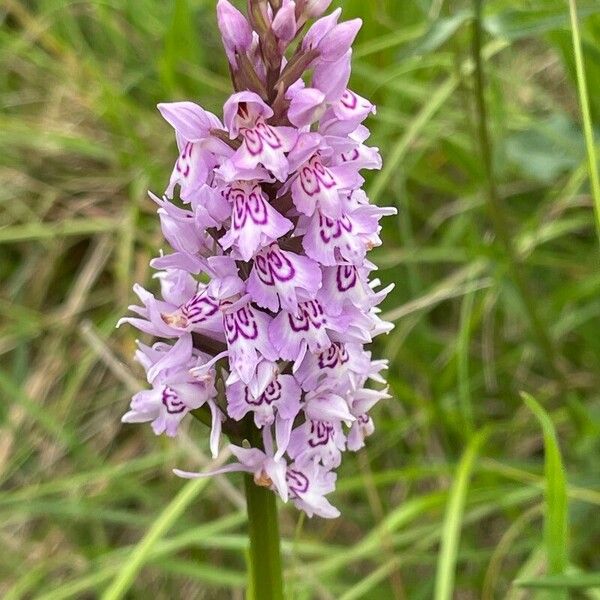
339 40
310 9
320 29
235 30
284 23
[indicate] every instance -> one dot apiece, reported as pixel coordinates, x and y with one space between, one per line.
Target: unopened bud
339 40
315 8
235 30
284 23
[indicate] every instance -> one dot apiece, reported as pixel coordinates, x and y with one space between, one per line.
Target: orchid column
266 300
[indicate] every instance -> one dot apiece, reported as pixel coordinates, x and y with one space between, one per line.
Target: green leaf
555 513
440 32
446 567
141 553
520 23
547 148
572 581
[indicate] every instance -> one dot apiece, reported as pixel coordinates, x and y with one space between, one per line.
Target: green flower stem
263 528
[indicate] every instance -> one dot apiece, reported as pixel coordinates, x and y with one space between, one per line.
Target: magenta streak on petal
183 163
314 175
270 395
349 100
320 433
332 229
350 156
256 207
240 323
199 309
297 481
345 277
172 402
310 315
258 136
274 266
335 355
314 312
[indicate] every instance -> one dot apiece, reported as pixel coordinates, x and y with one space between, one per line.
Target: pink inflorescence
271 350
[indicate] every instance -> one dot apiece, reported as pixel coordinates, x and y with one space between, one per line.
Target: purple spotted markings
183 165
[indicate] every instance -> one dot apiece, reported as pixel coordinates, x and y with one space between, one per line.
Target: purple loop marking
273 265
271 394
345 277
349 100
333 228
320 433
310 314
241 323
335 355
199 308
259 135
297 481
172 402
314 175
248 205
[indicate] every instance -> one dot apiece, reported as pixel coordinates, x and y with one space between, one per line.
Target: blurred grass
81 141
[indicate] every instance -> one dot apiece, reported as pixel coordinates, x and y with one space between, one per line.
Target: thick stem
263 530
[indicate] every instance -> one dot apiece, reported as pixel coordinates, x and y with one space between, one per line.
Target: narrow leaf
446 567
555 514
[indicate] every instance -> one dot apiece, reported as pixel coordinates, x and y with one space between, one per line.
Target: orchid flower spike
265 306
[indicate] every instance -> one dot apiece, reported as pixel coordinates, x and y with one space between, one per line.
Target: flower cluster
266 293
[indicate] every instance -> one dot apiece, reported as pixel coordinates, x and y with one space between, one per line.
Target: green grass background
467 486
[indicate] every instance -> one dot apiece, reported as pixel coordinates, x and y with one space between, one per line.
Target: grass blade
68 227
126 576
555 514
571 581
444 579
585 112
